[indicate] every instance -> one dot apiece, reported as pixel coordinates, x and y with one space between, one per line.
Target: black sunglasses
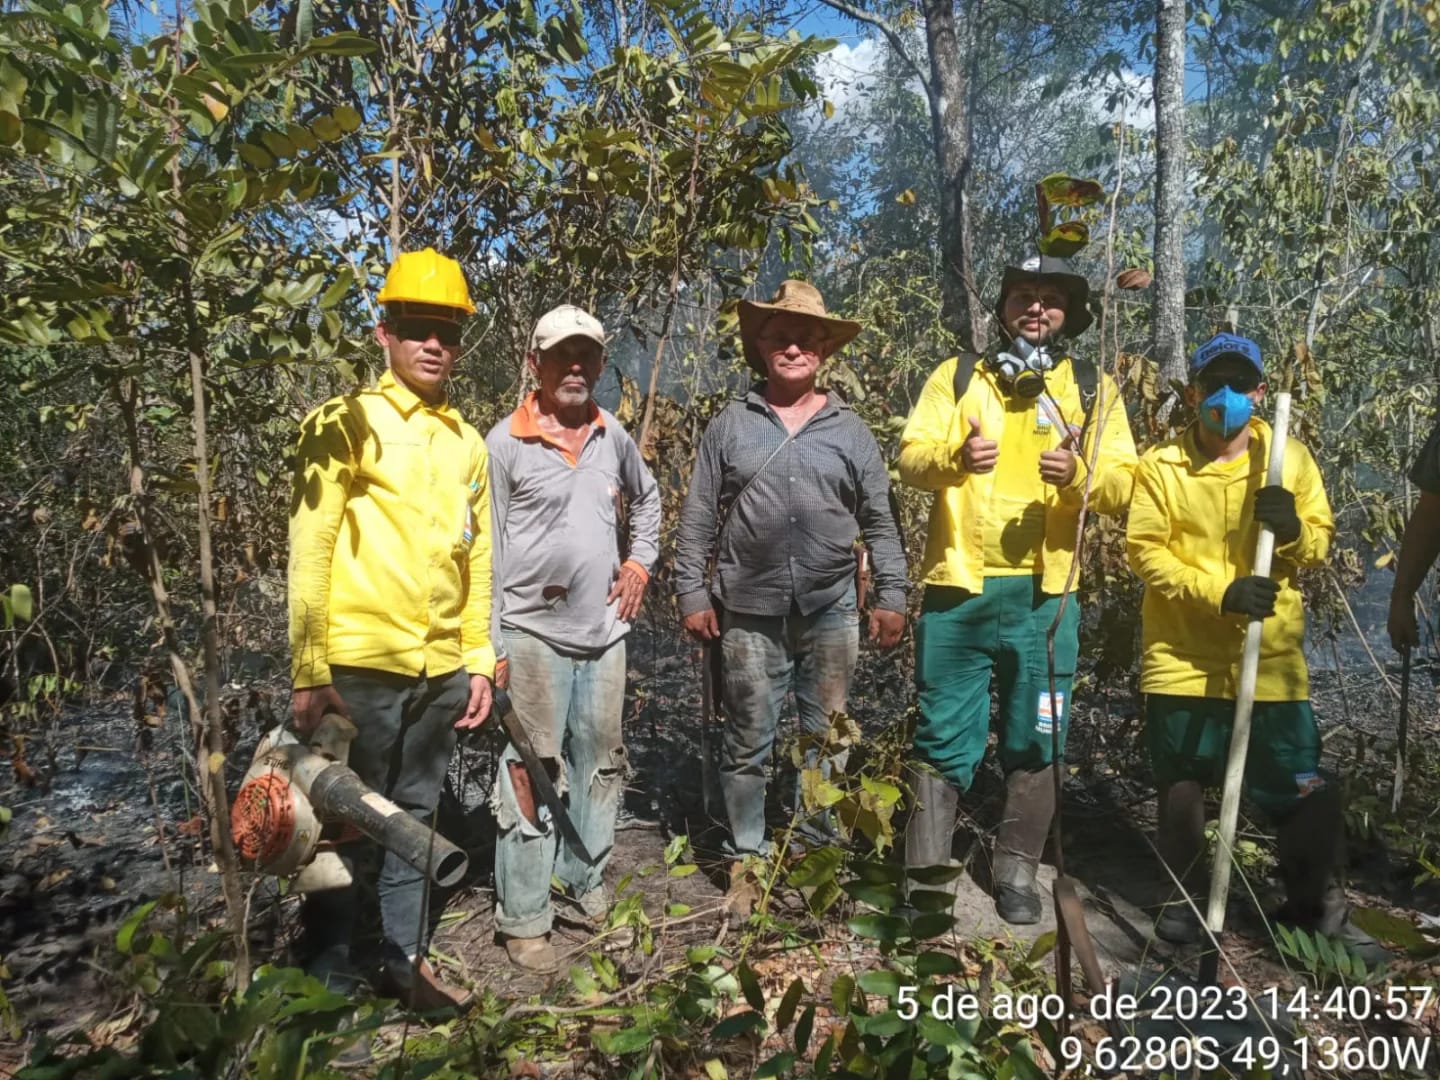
1242 382
807 340
418 328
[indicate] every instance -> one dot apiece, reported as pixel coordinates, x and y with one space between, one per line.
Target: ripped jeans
763 655
571 704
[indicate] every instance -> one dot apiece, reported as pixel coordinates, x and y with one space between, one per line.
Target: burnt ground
116 827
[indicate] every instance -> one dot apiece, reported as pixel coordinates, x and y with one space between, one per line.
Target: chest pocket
599 492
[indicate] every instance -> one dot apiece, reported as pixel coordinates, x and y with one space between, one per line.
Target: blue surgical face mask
1226 412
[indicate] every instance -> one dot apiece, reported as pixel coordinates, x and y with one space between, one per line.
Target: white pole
1245 695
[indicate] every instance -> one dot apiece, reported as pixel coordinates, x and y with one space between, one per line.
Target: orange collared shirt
555 528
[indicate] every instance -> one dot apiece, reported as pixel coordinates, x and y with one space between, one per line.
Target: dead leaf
1134 278
1305 360
24 773
1065 239
218 111
106 1032
49 881
1062 190
194 827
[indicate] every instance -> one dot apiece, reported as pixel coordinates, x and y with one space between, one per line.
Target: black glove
1274 506
1253 596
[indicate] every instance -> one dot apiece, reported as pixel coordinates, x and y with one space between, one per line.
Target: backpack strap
1087 381
964 370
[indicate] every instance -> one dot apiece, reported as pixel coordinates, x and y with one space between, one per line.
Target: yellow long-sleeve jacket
930 459
389 539
1192 532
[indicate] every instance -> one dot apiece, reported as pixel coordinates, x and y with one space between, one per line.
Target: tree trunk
1337 161
209 753
949 39
212 781
1168 317
212 758
683 238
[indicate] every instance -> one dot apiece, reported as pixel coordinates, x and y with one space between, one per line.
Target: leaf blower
292 790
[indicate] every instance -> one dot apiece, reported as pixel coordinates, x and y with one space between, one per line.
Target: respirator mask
1020 368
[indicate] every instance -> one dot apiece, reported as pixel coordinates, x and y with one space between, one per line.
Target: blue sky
824 21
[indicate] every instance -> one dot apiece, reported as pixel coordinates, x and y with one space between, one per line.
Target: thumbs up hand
978 454
1058 466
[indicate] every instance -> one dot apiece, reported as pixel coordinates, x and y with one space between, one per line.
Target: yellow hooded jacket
930 459
389 539
1192 532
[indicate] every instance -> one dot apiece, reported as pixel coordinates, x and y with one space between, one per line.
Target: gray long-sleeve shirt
788 543
555 543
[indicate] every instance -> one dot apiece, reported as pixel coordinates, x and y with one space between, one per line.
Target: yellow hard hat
427 277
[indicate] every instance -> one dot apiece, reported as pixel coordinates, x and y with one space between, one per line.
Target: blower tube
338 795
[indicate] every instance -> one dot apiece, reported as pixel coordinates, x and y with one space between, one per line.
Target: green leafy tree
167 165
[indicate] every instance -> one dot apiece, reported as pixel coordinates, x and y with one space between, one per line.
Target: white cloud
854 66
845 75
338 227
847 69
1126 97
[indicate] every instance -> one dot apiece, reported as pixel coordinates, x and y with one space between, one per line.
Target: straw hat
795 298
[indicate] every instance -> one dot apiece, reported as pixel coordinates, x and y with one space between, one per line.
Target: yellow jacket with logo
930 459
389 539
1193 532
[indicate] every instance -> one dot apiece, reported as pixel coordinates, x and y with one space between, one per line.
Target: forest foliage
197 206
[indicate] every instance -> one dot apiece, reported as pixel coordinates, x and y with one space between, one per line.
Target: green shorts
1189 739
964 639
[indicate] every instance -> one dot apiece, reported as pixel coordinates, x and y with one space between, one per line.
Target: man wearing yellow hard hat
389 591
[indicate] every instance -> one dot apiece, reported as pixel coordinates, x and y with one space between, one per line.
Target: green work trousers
961 639
1189 739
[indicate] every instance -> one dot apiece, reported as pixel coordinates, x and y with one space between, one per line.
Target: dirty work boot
1311 851
533 954
588 911
591 911
1181 840
931 827
742 896
1029 808
359 1052
333 966
420 988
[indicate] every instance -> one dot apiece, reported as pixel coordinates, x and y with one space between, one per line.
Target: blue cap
1226 345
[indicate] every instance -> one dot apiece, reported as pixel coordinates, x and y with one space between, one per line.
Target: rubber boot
1310 850
743 895
1029 809
931 828
1181 841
